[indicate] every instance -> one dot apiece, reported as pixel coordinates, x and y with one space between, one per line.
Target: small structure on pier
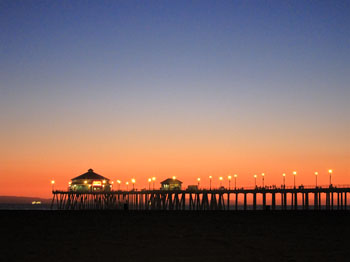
192 187
171 184
90 181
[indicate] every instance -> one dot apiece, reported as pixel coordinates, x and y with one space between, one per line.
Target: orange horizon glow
44 185
27 168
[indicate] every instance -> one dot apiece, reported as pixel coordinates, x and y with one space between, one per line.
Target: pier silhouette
271 198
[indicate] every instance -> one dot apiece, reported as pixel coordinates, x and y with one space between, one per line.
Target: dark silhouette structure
334 198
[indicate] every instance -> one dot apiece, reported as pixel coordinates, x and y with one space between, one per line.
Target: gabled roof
171 181
90 174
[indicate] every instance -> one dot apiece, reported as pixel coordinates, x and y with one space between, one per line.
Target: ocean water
48 207
24 207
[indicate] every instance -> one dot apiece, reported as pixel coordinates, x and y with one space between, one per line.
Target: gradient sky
184 88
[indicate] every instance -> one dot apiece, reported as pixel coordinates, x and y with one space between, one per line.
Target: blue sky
256 52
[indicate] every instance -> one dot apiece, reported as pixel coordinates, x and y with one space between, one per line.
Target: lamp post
199 180
220 178
294 174
330 171
210 177
229 182
235 176
316 174
133 183
149 183
255 176
153 179
53 185
127 185
118 181
284 180
263 179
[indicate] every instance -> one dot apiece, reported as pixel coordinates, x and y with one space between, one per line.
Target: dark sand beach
174 236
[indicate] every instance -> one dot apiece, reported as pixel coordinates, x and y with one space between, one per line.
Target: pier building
171 184
91 182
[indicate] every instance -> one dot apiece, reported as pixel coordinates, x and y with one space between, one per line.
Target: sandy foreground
174 236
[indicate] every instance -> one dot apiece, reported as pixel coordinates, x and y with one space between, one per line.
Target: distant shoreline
20 200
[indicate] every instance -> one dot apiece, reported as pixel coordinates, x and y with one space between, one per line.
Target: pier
259 198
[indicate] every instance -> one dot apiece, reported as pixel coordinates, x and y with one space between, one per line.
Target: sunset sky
135 89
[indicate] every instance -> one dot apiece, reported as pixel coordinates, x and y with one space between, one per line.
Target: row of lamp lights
330 171
153 179
229 177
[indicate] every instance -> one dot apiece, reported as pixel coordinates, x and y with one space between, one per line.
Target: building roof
90 174
171 181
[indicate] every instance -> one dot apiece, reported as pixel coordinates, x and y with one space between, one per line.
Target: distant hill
22 200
